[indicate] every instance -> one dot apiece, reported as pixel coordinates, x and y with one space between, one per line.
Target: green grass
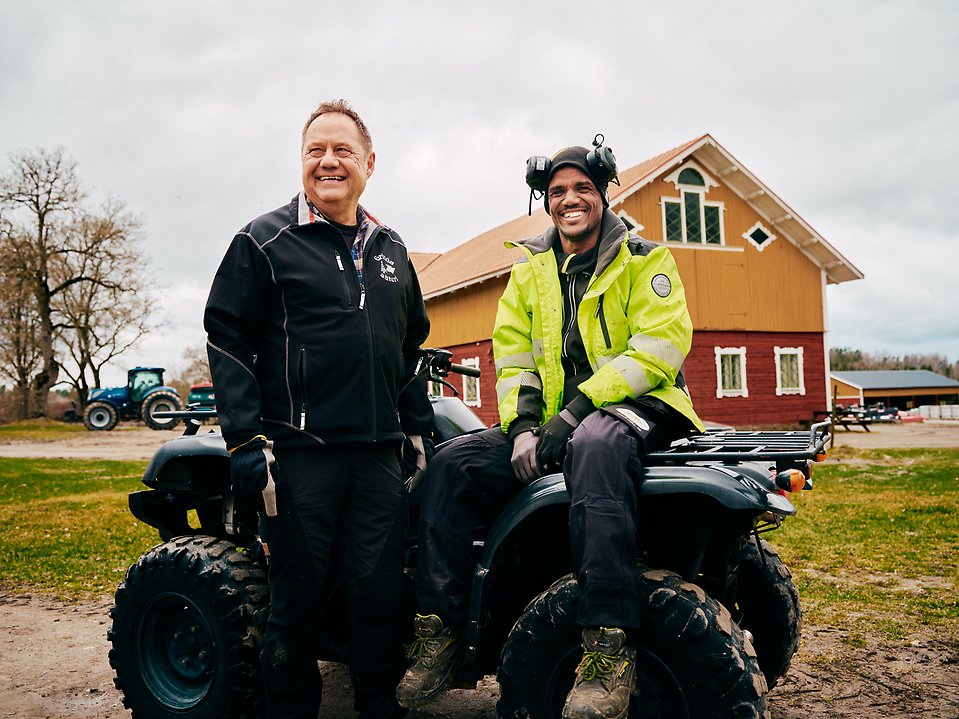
875 545
39 430
65 527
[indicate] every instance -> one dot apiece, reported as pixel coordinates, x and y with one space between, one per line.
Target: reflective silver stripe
657 347
523 379
603 360
633 373
524 360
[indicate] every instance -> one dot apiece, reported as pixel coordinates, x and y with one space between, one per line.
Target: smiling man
589 342
310 348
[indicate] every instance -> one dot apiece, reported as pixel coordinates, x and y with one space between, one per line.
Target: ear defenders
600 167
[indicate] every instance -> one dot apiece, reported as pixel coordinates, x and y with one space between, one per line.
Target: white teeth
573 214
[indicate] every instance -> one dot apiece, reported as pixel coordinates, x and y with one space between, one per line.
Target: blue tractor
143 395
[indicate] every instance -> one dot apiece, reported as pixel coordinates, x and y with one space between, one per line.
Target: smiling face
336 166
576 207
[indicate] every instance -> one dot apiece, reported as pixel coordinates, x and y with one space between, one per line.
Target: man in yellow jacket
589 342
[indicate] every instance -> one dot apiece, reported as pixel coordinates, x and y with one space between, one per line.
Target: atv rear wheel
692 660
100 416
768 607
187 630
160 402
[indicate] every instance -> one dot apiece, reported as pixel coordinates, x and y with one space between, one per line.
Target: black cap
575 156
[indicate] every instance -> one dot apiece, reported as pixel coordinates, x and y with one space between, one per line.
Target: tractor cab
141 380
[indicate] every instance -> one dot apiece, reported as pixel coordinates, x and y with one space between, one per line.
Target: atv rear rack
743 446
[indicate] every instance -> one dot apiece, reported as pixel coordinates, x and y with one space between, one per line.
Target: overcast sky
190 113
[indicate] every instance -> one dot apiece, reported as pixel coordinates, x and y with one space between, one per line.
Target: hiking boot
436 653
605 677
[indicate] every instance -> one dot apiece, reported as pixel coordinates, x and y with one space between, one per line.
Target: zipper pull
339 261
599 306
303 417
362 296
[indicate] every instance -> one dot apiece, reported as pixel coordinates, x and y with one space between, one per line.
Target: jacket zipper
602 321
301 375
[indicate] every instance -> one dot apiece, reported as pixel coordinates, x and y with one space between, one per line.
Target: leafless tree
102 317
77 267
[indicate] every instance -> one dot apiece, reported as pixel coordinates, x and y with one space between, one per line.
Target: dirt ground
53 654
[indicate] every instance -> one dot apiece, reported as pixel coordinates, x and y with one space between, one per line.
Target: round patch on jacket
661 285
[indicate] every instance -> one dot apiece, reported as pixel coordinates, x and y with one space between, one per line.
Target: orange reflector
792 480
821 457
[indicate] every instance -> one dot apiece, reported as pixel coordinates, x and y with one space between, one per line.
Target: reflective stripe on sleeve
657 347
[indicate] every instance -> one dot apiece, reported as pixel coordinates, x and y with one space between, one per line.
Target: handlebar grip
463 369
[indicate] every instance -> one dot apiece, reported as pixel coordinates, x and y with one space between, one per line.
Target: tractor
143 395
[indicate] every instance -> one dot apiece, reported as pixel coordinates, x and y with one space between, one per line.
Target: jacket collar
612 235
302 214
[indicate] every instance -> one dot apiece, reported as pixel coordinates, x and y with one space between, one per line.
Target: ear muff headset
600 166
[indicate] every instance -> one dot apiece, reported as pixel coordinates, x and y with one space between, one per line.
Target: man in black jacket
314 324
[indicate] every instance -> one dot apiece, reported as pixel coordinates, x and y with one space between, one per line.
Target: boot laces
596 665
425 648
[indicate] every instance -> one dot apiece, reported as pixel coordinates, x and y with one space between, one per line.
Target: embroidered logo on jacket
387 268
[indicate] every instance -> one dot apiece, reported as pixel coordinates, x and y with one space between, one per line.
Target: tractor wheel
160 402
692 659
768 607
188 624
100 416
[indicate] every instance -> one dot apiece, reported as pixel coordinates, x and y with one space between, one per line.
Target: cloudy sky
190 113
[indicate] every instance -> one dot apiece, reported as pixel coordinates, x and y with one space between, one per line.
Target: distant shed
903 389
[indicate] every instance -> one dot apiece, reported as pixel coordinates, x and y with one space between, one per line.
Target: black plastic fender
736 487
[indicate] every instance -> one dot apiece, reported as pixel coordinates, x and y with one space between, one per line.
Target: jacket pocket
301 378
345 284
602 322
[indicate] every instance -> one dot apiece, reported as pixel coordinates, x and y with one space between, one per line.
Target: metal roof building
903 389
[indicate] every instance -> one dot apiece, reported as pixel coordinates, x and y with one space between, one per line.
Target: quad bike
720 612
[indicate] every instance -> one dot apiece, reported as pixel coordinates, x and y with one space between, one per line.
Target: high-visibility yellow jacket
633 320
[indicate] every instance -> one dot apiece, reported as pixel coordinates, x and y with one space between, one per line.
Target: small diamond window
759 236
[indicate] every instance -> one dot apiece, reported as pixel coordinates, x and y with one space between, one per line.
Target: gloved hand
524 456
253 471
553 437
419 450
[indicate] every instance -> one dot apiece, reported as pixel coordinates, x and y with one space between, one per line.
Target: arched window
691 218
689 176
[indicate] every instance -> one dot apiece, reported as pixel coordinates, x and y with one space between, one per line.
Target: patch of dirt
54 665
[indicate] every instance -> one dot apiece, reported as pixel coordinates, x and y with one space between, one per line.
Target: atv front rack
782 447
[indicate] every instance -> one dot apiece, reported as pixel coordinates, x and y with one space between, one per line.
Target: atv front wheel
100 416
187 630
692 660
768 607
160 402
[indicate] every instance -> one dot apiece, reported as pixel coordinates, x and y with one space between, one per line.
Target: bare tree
19 352
195 369
79 269
108 313
43 192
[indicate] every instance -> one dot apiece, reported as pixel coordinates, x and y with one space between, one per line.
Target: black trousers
342 507
603 472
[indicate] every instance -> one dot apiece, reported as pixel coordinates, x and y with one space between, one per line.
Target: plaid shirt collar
308 214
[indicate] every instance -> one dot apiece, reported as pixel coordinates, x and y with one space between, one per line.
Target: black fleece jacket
304 354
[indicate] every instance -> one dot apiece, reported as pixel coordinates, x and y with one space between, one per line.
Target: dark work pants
603 473
345 507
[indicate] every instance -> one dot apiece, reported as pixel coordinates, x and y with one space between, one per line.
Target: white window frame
734 351
750 240
703 202
435 388
637 225
471 382
797 352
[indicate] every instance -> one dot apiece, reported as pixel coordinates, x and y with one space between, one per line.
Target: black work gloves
554 435
253 473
